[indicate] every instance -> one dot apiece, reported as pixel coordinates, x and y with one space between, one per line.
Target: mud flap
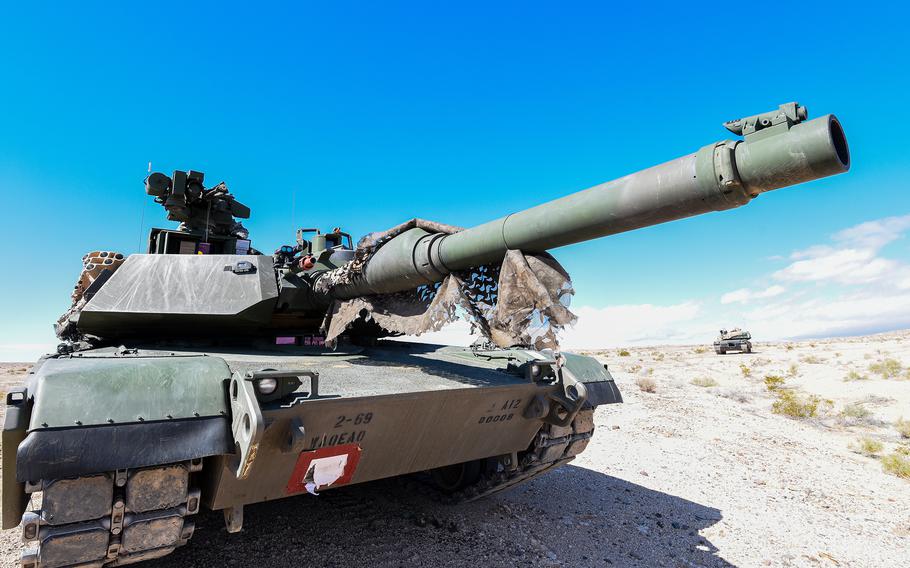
14 498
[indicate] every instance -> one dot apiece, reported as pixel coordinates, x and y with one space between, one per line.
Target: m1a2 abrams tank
733 340
205 374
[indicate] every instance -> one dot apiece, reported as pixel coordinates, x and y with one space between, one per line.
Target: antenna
142 214
293 209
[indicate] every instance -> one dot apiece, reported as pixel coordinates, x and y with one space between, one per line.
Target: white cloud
744 295
855 259
633 324
875 234
847 266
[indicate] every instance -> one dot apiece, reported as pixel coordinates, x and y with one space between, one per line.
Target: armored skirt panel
384 412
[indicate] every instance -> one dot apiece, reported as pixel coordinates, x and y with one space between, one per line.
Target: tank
205 374
735 339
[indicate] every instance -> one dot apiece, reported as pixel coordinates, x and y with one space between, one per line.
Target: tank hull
376 413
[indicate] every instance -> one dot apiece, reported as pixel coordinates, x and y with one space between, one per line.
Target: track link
111 519
552 447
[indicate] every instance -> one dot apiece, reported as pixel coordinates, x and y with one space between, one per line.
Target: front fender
96 413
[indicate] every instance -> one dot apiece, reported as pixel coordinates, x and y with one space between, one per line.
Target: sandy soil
685 476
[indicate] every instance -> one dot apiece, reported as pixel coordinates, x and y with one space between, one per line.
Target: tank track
111 519
552 447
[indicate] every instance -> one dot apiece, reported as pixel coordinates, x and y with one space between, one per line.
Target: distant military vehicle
733 340
206 374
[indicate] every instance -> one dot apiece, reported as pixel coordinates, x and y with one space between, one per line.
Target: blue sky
366 114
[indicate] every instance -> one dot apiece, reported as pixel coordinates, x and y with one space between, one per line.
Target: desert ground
718 466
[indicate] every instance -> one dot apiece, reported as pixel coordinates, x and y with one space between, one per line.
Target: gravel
685 476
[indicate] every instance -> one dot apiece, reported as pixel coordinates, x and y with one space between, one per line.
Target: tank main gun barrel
778 149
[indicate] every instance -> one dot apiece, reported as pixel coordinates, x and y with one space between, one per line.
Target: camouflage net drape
522 302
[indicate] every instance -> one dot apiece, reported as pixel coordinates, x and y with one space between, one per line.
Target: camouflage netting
522 302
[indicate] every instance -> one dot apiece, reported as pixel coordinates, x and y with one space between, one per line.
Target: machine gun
206 216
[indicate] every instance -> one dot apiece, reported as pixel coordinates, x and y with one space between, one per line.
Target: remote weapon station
206 374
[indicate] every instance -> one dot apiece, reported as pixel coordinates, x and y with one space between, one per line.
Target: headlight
267 386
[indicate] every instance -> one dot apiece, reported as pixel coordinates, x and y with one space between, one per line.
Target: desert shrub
903 427
902 450
790 404
646 384
793 370
773 382
789 347
887 368
897 464
657 356
855 376
867 447
635 368
811 360
624 353
856 411
700 350
704 382
760 362
745 370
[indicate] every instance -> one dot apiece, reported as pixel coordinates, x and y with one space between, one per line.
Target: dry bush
791 404
646 384
897 464
793 370
903 427
635 368
887 368
773 382
811 360
704 382
855 376
856 412
867 447
624 353
657 355
760 362
745 370
700 350
789 347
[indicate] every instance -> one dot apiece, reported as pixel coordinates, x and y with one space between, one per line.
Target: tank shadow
569 517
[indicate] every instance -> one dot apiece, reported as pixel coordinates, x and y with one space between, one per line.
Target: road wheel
456 477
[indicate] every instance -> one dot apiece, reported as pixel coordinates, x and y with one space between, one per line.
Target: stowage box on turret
206 374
